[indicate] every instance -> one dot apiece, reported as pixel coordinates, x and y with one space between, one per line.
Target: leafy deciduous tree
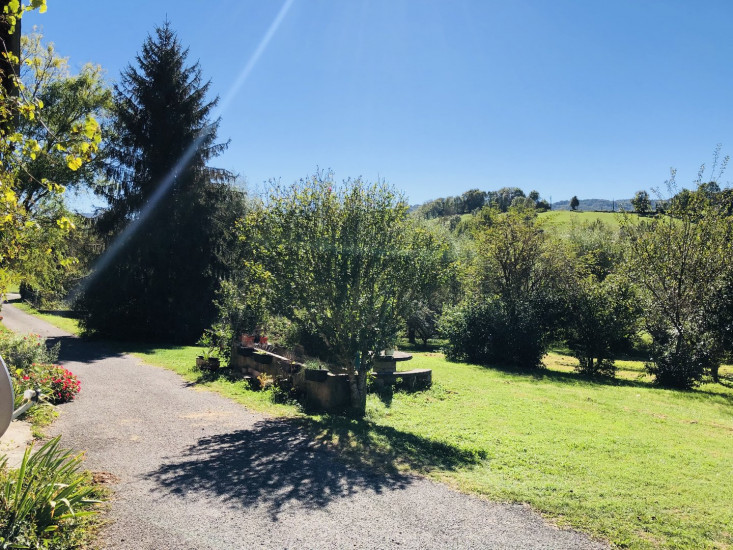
512 313
678 262
19 218
340 261
641 202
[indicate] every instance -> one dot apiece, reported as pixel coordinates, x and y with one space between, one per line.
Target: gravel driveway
194 470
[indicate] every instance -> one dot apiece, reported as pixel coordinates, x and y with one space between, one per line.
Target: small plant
57 384
212 347
43 498
265 381
22 351
314 364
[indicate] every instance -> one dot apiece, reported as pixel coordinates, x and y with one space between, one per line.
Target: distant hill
596 205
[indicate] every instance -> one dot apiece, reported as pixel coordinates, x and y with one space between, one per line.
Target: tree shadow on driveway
275 464
78 350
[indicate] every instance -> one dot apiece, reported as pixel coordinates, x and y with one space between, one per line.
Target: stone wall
333 393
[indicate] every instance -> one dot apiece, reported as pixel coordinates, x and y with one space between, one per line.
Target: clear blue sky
588 98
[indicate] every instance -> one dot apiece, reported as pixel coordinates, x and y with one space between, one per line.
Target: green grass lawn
60 318
565 218
622 460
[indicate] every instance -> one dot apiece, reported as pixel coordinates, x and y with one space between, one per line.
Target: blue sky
587 98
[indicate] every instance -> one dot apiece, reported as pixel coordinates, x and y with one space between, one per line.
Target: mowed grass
640 466
563 219
62 319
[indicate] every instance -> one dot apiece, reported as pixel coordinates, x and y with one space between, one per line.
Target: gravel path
194 470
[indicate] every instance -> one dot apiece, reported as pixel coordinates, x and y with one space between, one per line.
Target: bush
58 384
42 501
601 321
21 352
489 333
683 366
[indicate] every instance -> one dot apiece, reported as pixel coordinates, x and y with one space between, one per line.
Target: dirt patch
104 478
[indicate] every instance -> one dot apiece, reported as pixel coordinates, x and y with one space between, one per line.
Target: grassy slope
565 218
61 319
628 462
638 465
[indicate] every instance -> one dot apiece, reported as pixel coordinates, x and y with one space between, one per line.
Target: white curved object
7 397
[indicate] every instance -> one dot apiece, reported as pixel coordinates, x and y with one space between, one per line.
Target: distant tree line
475 199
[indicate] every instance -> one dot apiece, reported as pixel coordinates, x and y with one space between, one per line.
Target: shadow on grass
89 350
65 313
432 346
387 449
283 463
363 442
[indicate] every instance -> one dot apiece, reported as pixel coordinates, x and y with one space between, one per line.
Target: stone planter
212 363
245 351
262 358
316 375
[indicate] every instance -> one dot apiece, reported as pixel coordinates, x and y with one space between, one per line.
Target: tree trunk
357 388
714 373
411 334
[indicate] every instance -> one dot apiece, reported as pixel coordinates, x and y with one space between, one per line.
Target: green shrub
681 361
20 352
41 502
492 333
601 321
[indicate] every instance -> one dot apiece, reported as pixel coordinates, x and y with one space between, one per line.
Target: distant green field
566 218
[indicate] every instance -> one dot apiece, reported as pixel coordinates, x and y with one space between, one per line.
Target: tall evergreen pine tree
162 281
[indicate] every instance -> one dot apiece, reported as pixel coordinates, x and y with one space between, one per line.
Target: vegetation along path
195 470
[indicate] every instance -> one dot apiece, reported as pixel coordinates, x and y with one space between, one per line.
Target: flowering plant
58 384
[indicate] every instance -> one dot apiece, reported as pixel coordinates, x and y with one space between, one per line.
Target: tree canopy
176 211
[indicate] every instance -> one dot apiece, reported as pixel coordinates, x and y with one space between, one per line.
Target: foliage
474 200
340 264
49 263
20 152
513 310
30 363
435 283
595 244
68 101
600 321
177 213
641 202
20 352
214 344
43 499
574 203
490 333
678 262
57 384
